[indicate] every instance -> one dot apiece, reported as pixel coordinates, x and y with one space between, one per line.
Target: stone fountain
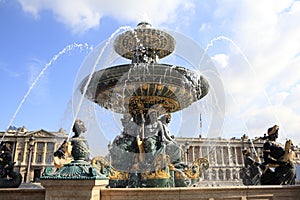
146 92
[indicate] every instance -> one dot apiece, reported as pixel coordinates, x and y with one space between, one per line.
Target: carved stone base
73 189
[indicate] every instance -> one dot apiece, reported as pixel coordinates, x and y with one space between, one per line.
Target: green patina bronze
278 167
79 168
146 92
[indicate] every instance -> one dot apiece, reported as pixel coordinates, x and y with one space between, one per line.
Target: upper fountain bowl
160 42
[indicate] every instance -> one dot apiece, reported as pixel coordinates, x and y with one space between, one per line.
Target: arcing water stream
68 48
91 74
210 44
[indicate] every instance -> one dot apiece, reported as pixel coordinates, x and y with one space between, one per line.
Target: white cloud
263 91
205 26
5 69
292 100
261 118
84 15
221 60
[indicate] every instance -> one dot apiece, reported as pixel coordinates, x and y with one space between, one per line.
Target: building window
212 156
40 145
39 158
221 174
228 174
219 155
235 174
50 147
239 155
206 175
225 155
213 174
232 152
49 158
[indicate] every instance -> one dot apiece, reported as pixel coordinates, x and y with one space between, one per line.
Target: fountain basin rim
172 86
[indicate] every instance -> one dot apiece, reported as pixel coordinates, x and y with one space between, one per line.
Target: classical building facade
32 148
225 156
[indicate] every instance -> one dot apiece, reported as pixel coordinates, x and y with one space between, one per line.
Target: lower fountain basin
134 87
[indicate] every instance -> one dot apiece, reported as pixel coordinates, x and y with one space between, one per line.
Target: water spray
91 75
68 48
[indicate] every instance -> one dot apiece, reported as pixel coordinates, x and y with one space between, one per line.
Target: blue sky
254 46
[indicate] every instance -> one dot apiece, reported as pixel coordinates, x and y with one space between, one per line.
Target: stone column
217 173
33 161
44 153
15 152
193 153
229 156
222 156
73 189
235 156
200 152
215 155
25 153
207 151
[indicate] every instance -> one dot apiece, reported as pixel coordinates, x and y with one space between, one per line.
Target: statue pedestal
73 189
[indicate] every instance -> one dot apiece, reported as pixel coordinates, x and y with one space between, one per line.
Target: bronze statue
8 178
63 155
251 172
284 171
80 167
172 148
278 167
125 145
153 139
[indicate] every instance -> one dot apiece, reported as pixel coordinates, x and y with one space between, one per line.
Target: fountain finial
144 24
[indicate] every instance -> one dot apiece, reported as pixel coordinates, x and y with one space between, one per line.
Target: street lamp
186 145
30 149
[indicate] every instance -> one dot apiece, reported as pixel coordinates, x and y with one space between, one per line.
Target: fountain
145 154
146 92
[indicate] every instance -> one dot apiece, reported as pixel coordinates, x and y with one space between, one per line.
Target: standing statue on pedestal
80 167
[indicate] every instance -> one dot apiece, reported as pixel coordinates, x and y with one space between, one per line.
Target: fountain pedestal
73 189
